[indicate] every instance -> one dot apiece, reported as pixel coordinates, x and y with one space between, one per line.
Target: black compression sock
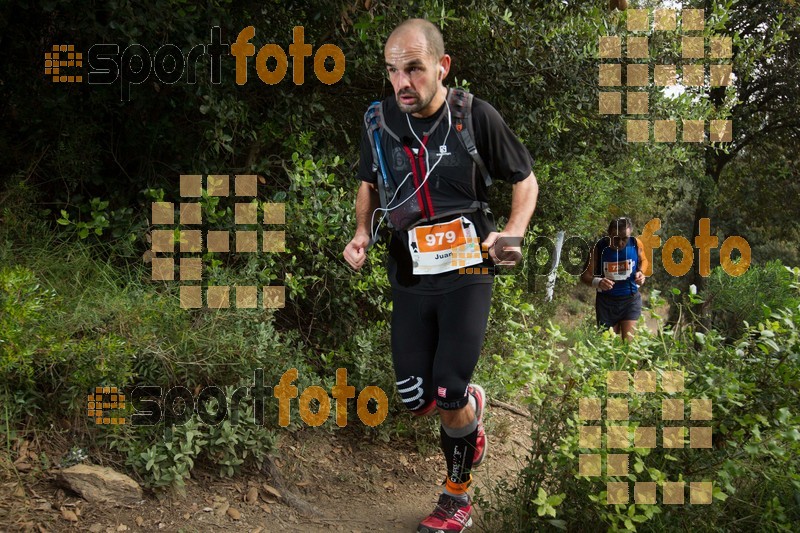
458 446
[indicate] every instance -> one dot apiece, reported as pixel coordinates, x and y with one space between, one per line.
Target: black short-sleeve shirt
504 155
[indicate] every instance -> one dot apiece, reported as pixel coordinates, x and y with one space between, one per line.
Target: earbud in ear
441 69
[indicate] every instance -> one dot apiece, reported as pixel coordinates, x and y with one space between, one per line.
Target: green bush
753 385
512 337
165 459
73 318
734 301
39 360
70 320
23 303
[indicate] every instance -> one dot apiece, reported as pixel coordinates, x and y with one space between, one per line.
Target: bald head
416 65
427 30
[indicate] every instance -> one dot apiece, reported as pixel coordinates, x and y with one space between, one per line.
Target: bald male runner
437 200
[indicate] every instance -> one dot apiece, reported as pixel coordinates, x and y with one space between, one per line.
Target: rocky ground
318 479
324 481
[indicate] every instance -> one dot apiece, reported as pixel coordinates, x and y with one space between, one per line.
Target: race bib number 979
432 246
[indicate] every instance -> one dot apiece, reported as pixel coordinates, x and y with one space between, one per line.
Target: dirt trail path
349 482
341 481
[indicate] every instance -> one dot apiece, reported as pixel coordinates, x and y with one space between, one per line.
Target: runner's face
414 73
619 238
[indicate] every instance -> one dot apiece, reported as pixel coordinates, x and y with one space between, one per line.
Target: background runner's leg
627 328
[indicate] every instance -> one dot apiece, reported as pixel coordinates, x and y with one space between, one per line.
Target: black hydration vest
401 172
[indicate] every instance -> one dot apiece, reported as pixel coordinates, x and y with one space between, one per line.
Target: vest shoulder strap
460 102
373 121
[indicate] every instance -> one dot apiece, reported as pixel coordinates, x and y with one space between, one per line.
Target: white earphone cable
425 179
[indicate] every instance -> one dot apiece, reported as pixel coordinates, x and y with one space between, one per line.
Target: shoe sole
425 529
479 462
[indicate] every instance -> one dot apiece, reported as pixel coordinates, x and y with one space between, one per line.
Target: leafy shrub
23 303
37 359
510 349
166 459
753 386
734 301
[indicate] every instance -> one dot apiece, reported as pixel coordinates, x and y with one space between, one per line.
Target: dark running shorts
613 309
436 341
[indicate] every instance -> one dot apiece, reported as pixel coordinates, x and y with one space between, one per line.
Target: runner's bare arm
366 203
355 253
523 202
643 264
587 276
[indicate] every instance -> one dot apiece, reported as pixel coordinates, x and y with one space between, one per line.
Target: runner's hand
606 284
355 253
508 255
639 278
